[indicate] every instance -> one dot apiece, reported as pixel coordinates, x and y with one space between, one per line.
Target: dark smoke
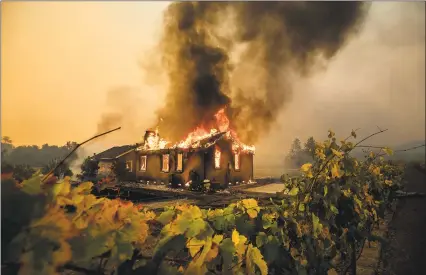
274 40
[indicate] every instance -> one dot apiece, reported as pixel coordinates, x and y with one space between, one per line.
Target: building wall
245 172
202 162
153 169
130 157
191 161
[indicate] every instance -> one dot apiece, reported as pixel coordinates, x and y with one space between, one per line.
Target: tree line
300 154
23 160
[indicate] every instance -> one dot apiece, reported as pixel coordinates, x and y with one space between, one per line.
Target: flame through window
143 163
217 155
179 166
237 161
166 162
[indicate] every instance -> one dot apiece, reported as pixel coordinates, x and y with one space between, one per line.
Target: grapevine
313 228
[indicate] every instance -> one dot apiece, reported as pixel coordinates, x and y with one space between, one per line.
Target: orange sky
60 59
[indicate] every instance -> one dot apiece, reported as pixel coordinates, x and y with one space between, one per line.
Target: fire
200 133
217 154
154 142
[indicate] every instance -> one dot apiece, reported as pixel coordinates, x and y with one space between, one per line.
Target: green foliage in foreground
49 226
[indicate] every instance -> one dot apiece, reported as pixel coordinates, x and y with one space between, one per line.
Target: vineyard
316 225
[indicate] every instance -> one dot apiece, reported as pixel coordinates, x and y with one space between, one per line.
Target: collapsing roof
200 138
202 142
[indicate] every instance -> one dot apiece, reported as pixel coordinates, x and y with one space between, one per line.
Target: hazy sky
60 61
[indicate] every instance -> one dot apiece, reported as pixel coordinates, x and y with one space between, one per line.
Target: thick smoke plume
242 55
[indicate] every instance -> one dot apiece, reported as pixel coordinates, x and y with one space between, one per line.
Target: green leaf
353 133
227 250
325 190
294 191
334 209
317 226
301 207
121 252
167 244
261 239
195 228
32 186
272 249
166 216
358 201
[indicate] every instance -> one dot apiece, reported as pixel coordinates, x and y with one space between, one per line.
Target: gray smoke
243 56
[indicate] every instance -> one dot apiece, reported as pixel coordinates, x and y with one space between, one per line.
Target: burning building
214 154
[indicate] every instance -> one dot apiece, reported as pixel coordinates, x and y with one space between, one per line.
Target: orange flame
200 133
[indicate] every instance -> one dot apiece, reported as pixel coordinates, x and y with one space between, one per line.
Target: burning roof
199 138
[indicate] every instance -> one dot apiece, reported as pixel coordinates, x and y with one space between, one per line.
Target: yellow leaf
320 153
347 193
194 246
388 182
199 260
335 171
337 153
294 252
217 239
192 212
332 272
249 203
62 255
255 257
388 151
212 253
252 213
375 170
235 237
241 247
319 145
306 167
180 269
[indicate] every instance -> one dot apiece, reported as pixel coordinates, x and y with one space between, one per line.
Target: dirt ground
406 254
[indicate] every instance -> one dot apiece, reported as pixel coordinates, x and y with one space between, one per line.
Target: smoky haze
244 56
377 80
125 107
